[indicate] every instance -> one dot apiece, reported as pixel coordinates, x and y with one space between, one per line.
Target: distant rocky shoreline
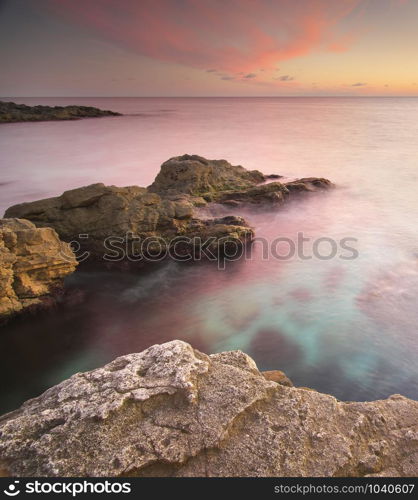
11 112
166 215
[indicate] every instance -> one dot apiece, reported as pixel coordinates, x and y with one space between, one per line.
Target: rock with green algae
174 411
195 175
233 185
273 193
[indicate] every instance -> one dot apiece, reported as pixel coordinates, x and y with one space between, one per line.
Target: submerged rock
33 264
12 112
173 411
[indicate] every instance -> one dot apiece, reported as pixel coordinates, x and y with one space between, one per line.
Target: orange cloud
229 35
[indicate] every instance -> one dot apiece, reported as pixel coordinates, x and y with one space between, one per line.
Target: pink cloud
229 35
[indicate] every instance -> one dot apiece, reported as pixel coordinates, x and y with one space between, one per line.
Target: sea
327 293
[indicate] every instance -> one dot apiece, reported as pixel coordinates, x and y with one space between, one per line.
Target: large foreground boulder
173 411
33 264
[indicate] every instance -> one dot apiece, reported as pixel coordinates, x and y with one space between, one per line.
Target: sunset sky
208 47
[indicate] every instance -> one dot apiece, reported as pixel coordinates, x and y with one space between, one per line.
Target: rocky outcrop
99 216
112 221
173 411
33 264
195 175
218 180
12 112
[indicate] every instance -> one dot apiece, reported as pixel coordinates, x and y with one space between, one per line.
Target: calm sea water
345 327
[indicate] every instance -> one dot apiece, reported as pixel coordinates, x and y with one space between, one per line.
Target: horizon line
207 97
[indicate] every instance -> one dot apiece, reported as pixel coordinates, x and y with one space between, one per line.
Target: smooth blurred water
346 327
